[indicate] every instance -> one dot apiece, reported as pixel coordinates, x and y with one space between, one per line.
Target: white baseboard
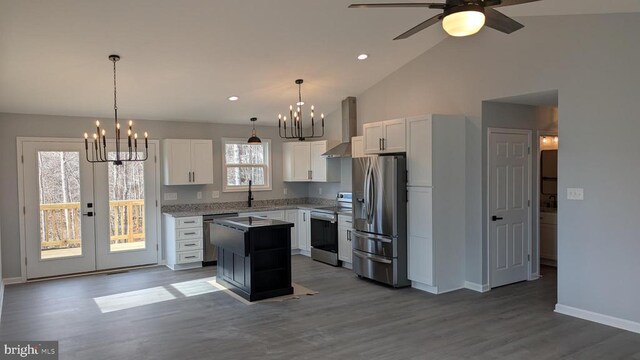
13 280
424 287
476 287
347 265
599 318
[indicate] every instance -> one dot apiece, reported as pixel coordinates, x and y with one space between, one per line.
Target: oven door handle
372 257
372 237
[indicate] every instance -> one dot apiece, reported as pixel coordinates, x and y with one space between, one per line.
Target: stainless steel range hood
349 129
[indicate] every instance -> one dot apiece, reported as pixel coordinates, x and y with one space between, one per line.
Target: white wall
14 125
1 279
592 61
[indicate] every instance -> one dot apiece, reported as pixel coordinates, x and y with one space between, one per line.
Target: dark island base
255 296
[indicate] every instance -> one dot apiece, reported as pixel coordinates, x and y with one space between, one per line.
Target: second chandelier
295 129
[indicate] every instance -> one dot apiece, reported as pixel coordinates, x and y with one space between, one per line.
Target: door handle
496 218
189 176
194 176
383 146
89 214
380 144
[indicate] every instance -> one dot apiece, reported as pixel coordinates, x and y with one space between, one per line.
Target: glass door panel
126 205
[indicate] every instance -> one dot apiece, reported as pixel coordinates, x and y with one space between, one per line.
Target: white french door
509 207
82 217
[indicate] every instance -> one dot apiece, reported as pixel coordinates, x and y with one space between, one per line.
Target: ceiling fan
460 17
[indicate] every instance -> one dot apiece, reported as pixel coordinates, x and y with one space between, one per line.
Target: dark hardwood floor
349 319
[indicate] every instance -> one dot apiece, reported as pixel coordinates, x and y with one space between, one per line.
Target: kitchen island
254 256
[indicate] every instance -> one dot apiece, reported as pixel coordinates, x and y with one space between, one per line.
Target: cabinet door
344 244
394 136
420 247
301 163
304 230
287 161
202 161
548 242
177 162
357 147
318 163
419 152
292 217
372 134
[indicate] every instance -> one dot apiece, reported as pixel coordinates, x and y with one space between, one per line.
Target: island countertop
249 222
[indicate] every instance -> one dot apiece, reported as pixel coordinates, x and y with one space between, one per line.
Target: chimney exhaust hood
349 129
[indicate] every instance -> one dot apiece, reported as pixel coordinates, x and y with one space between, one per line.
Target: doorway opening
511 232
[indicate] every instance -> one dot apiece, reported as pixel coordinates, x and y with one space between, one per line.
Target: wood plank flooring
350 318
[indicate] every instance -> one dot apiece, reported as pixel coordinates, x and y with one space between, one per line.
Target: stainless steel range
324 229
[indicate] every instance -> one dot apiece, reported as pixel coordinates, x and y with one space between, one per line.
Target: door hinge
529 257
24 210
155 158
25 261
156 203
529 203
22 158
157 247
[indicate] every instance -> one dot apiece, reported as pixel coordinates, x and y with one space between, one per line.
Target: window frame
267 167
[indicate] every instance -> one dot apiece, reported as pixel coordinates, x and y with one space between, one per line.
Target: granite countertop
241 207
248 222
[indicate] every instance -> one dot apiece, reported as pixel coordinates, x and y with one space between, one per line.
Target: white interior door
126 223
509 218
58 188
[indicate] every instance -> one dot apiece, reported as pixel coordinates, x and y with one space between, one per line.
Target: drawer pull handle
190 233
190 244
190 257
189 222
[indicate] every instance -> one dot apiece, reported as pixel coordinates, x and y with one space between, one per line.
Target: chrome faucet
250 198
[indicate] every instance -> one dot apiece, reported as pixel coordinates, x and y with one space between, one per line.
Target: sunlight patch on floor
132 299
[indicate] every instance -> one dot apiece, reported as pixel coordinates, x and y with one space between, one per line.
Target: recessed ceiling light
233 98
363 57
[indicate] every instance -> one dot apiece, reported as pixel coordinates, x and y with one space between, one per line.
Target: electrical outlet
170 196
199 195
285 191
215 194
575 194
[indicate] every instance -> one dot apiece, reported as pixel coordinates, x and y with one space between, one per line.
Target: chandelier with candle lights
295 129
98 151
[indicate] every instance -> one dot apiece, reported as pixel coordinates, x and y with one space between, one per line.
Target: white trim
158 202
1 297
599 318
13 280
476 287
425 287
529 134
268 167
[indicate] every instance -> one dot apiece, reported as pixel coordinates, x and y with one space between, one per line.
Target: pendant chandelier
254 139
98 152
296 130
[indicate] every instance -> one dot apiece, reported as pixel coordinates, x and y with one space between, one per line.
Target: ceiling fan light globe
464 21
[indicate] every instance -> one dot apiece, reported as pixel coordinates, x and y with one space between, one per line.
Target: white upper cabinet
382 137
419 151
357 147
303 161
187 162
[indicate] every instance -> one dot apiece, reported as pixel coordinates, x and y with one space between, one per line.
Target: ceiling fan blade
501 22
501 3
416 29
399 5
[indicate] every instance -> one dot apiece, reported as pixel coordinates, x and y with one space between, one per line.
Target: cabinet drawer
194 233
189 222
189 256
345 221
195 244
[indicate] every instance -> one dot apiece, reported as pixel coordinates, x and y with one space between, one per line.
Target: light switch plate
199 195
215 194
575 194
171 196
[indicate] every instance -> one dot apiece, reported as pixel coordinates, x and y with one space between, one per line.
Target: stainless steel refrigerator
380 218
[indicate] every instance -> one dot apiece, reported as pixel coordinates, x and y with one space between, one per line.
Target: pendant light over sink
98 152
254 139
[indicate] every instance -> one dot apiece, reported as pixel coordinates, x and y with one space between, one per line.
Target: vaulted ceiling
181 60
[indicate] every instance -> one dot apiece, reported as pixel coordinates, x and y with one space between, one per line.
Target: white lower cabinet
420 247
345 229
183 242
292 217
304 232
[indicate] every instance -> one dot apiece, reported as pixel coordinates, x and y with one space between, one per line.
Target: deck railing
60 223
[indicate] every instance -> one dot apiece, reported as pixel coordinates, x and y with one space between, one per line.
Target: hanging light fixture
99 148
463 20
295 130
254 139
